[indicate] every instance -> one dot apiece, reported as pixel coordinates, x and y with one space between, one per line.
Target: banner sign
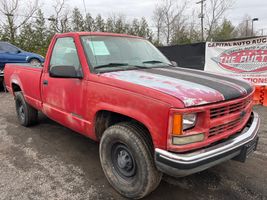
243 58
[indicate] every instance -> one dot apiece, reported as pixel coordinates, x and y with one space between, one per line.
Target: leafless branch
11 9
168 17
214 13
61 16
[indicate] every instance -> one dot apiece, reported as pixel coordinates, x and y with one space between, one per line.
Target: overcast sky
144 8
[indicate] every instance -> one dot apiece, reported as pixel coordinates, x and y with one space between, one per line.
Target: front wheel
127 160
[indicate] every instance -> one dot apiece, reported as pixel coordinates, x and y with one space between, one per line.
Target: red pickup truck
150 116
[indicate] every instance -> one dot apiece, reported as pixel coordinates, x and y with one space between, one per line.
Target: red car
148 115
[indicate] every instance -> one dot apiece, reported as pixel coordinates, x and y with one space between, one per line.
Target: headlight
189 121
180 124
183 122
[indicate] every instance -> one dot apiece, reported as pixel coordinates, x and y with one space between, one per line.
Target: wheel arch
15 84
15 87
105 118
32 58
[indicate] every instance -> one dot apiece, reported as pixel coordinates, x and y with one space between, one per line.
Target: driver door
63 98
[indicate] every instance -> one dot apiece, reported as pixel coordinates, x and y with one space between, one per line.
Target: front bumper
183 164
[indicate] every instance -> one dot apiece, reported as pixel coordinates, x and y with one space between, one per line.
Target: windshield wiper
111 65
152 61
155 62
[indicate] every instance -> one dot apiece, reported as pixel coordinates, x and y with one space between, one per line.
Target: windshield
109 52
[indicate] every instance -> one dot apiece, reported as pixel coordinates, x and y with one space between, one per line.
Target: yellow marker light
177 124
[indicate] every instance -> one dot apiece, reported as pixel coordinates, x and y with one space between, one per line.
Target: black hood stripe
228 92
241 83
219 80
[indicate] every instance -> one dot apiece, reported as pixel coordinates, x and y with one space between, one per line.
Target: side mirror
63 71
174 63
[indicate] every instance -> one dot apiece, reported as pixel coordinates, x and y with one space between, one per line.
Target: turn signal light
177 126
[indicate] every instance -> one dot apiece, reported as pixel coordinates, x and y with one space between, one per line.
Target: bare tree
59 21
193 28
158 18
214 12
180 25
16 13
171 18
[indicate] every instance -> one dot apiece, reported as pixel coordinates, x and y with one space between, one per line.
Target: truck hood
192 87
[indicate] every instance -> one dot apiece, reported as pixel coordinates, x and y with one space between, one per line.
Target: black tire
27 115
4 86
126 155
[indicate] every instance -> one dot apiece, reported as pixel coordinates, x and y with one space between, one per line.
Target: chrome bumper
178 164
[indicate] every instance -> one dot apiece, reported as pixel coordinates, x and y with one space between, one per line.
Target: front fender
156 123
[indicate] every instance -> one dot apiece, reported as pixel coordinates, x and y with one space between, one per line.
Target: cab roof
97 34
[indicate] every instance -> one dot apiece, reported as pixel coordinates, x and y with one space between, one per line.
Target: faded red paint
145 98
191 94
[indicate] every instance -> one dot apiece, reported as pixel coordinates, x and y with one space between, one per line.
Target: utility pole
247 27
252 21
84 6
201 16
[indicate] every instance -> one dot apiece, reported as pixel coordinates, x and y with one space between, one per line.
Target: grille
224 127
229 109
224 111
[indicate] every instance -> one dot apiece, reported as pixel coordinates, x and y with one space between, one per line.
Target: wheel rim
34 62
21 111
123 161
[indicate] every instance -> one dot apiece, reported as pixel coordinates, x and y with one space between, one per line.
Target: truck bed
26 76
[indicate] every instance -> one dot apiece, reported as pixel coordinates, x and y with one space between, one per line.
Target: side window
65 54
1 48
9 48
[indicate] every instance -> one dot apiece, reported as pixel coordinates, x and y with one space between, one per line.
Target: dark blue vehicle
12 54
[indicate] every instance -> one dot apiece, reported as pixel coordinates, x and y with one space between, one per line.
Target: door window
5 47
65 54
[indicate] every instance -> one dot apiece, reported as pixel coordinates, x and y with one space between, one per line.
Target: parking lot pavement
49 161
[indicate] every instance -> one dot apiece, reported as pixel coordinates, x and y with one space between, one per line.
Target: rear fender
14 79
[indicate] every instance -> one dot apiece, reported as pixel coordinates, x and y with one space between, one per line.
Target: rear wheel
127 160
27 115
4 86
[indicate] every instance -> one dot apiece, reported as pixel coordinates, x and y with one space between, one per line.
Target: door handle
45 82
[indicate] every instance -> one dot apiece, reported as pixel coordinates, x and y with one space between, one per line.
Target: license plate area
247 149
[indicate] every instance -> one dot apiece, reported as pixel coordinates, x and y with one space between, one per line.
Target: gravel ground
49 161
